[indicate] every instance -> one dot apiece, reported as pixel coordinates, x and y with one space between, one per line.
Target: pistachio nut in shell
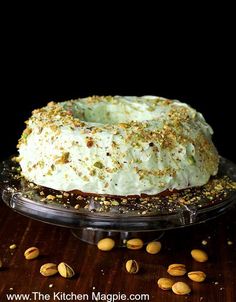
197 276
165 283
132 266
177 269
48 269
199 255
31 253
134 244
65 270
153 247
106 244
181 288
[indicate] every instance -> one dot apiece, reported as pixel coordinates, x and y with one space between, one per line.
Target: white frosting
118 146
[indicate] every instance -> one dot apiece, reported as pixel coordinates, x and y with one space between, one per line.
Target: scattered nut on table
181 288
199 255
177 269
165 283
132 266
134 244
153 247
65 270
48 269
31 253
197 276
12 246
106 244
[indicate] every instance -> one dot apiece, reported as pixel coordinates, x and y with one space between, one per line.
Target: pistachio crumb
12 246
98 165
50 197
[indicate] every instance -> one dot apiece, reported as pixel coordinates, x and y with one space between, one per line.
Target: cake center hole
104 113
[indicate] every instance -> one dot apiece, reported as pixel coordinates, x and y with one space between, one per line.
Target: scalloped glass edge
57 215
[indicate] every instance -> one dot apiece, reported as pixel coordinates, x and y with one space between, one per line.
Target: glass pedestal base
143 217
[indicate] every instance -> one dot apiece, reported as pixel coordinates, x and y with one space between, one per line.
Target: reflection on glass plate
137 213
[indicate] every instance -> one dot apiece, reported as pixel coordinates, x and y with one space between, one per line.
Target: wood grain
105 271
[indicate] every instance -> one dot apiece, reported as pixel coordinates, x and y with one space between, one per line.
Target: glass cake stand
94 217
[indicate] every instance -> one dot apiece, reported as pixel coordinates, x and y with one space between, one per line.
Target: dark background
125 55
208 88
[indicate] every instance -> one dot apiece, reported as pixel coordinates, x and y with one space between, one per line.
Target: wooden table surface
104 272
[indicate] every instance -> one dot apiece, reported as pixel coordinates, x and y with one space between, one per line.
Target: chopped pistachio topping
118 145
